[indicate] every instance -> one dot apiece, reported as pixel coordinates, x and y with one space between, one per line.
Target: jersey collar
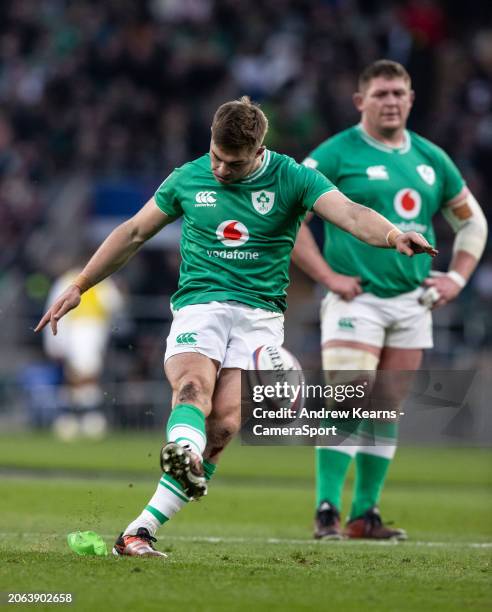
373 142
260 170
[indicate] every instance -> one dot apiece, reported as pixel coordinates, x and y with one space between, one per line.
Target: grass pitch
248 544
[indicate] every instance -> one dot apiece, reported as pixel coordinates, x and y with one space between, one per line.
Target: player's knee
348 358
390 387
349 366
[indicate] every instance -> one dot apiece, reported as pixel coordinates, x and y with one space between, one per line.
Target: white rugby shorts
228 332
399 322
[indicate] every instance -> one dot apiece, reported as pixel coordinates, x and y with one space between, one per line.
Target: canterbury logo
186 338
346 323
206 198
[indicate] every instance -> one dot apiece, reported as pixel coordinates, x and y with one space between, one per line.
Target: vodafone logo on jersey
232 233
408 203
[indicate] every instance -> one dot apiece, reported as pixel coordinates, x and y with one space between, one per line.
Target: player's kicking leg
192 377
221 426
201 395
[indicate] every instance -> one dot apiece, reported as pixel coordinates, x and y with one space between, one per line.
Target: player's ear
260 151
412 96
358 99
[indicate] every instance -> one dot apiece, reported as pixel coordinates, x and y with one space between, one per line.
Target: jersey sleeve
324 159
452 180
309 185
166 196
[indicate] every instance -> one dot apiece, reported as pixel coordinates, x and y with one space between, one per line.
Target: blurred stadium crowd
117 92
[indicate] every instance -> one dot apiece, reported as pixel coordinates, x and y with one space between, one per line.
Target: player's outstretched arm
123 242
368 225
306 255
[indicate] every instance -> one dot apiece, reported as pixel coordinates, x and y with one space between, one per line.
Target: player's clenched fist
67 301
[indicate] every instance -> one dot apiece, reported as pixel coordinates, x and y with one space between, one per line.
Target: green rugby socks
332 465
209 469
186 426
168 499
372 464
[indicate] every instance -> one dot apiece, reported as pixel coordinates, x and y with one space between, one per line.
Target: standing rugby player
376 314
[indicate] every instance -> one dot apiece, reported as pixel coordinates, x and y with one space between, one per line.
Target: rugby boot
185 467
370 526
327 522
138 545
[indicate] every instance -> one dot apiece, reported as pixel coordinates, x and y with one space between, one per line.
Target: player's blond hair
383 68
239 124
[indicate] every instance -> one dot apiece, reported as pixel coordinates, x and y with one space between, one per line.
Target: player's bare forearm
365 224
123 242
464 263
368 225
118 248
113 253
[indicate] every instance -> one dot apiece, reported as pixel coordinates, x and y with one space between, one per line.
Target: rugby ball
275 358
273 366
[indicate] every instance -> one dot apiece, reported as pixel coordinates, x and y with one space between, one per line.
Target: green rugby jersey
407 185
237 239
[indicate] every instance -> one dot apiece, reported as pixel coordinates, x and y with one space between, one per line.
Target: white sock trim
345 449
386 451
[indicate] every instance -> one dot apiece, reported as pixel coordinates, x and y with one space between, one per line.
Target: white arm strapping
470 225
